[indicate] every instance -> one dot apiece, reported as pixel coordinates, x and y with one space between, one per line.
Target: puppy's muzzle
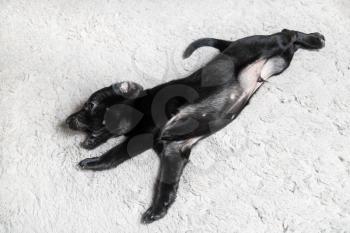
78 121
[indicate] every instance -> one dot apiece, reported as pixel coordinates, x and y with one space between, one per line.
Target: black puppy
172 117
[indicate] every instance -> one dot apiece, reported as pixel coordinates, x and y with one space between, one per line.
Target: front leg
173 161
96 138
131 147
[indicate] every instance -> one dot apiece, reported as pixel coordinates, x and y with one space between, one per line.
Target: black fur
174 116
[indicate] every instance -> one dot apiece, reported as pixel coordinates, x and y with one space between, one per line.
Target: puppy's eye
88 106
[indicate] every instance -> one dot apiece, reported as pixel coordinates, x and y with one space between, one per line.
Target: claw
90 164
151 215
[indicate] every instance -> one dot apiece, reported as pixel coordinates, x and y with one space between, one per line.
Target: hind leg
309 41
174 158
277 64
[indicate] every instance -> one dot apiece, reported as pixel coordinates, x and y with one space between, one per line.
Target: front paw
153 214
90 164
91 143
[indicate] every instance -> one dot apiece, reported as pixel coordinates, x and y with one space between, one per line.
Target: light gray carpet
282 166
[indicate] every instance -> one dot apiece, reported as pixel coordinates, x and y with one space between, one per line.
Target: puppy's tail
211 42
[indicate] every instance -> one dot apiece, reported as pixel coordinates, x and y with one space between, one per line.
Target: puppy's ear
129 90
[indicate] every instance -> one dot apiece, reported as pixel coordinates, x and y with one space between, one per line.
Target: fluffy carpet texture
282 166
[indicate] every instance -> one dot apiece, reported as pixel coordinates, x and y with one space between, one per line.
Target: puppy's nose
69 120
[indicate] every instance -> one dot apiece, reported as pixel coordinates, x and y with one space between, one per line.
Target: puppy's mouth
78 121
